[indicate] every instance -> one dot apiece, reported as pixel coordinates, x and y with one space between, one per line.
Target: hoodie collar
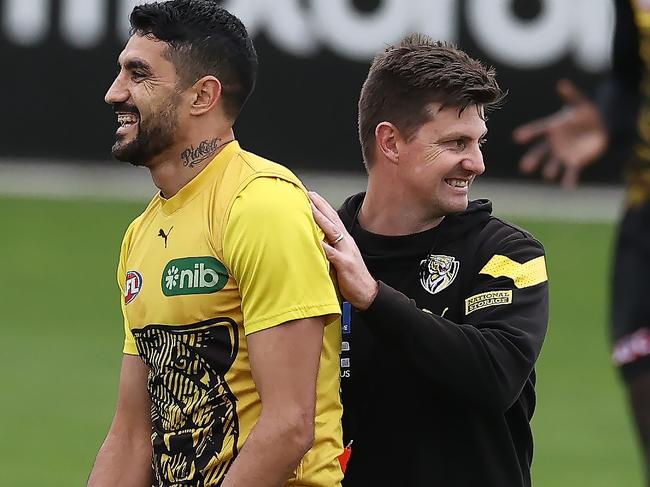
451 228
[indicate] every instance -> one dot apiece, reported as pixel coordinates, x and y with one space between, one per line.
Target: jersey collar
194 187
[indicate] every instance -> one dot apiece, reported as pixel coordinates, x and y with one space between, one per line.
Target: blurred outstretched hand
569 139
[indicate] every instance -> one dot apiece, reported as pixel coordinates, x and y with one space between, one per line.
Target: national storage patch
483 300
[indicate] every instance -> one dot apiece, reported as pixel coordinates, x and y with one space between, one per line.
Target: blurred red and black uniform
438 380
625 102
625 105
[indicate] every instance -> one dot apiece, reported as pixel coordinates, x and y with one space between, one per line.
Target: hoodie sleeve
488 357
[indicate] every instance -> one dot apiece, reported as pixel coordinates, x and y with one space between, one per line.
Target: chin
451 207
129 152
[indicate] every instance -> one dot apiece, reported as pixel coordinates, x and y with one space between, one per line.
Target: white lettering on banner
124 9
593 49
531 43
578 28
356 35
82 25
286 24
26 22
560 27
438 18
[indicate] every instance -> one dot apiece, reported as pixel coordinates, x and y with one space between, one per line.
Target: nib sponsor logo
193 275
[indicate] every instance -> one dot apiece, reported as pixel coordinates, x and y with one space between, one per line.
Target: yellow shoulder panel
642 15
523 275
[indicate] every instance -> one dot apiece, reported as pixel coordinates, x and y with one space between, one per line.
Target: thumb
569 93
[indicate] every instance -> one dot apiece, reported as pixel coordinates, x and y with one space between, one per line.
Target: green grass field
62 335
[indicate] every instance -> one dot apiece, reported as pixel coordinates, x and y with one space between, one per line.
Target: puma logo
161 233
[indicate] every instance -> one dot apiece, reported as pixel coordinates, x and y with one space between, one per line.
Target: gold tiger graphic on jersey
193 410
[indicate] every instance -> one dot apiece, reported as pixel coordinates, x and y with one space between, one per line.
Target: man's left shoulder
500 232
508 250
259 166
502 243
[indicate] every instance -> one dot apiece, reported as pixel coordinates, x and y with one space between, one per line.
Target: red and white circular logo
132 286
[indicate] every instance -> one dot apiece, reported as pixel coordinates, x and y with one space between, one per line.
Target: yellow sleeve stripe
642 18
523 275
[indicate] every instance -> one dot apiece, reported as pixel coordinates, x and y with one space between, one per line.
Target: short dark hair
203 39
405 79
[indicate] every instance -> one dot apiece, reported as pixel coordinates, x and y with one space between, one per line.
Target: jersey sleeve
272 247
129 342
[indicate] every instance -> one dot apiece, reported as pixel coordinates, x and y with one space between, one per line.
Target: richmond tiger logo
437 272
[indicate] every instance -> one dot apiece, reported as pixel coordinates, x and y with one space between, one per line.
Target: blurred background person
580 133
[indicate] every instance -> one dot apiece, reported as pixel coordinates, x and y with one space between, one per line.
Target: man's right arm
124 458
487 358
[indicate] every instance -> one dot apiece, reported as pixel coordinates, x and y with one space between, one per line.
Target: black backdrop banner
59 58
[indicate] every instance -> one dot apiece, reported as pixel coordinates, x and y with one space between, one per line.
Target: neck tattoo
205 150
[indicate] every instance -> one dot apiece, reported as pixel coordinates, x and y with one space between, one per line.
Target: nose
117 92
474 162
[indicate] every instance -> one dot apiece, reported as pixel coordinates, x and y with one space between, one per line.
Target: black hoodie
438 373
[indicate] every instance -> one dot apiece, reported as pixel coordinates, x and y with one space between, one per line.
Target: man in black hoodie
446 306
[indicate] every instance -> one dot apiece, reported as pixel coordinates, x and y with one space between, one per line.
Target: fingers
570 177
569 92
330 251
531 130
329 228
325 208
552 169
533 158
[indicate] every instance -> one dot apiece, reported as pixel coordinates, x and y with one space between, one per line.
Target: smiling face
439 163
146 100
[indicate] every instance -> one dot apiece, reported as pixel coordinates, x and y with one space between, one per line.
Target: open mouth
126 121
458 183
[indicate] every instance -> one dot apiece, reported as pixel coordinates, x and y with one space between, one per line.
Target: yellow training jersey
234 252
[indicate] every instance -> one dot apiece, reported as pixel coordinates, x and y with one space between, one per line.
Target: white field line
115 182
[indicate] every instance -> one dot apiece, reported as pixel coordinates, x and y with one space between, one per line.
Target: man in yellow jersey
230 374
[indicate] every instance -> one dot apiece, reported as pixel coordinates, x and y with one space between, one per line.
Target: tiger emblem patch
437 272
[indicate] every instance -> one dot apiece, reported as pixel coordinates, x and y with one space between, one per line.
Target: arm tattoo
205 150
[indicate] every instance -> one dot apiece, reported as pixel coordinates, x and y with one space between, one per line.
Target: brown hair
405 79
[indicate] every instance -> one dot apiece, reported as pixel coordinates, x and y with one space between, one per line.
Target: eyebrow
136 63
461 135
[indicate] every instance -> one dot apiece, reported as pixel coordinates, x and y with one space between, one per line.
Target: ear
387 139
206 93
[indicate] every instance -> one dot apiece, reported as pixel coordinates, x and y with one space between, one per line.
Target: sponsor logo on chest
193 275
437 272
